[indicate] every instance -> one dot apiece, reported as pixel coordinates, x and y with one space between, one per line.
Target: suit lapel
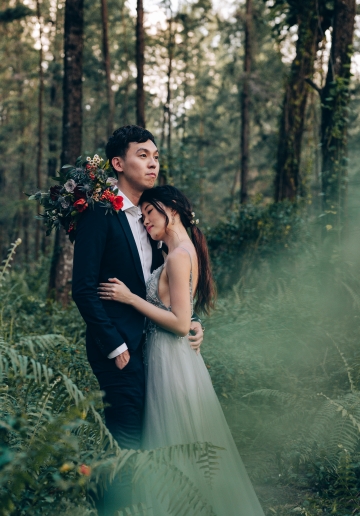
127 230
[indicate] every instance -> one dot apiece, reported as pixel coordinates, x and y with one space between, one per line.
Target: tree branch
313 85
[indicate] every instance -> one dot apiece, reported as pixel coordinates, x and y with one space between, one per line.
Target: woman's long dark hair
171 197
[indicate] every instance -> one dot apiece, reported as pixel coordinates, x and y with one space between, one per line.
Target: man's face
140 167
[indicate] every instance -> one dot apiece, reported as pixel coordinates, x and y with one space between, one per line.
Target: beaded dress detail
181 407
152 296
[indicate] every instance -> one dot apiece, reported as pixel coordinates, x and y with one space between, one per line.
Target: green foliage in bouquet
79 187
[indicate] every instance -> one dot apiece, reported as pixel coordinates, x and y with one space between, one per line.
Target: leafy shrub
251 230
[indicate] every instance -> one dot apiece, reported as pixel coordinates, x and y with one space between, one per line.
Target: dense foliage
288 381
54 446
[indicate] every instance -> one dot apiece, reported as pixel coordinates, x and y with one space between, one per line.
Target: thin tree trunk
140 51
23 215
40 125
245 101
235 184
201 162
55 71
165 172
287 179
334 122
168 99
61 270
53 132
125 107
106 54
185 79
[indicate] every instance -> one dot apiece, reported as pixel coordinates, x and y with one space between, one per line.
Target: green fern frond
4 269
43 343
281 397
134 510
348 368
344 412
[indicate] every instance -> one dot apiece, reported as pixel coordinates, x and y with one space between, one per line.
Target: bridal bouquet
79 187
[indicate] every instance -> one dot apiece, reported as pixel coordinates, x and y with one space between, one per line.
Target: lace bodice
152 293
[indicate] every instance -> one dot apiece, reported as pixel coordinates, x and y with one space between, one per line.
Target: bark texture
166 169
335 100
61 270
311 28
39 154
107 66
245 104
140 51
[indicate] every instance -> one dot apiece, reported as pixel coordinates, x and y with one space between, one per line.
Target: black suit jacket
105 248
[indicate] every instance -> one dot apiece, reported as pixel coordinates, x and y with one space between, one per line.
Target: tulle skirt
182 407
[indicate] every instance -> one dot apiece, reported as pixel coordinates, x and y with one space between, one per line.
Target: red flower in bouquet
107 196
80 205
118 202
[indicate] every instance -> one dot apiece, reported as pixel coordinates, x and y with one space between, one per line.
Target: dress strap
191 280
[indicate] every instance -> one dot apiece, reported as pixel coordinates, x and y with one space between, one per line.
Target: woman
181 405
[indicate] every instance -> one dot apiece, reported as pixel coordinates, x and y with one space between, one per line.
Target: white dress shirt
133 215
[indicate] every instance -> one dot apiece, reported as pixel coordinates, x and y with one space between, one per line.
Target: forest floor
278 498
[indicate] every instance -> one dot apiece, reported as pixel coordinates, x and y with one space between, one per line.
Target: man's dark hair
118 143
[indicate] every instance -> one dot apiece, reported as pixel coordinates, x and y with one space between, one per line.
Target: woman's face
154 221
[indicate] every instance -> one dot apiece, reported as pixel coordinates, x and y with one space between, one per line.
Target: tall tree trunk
53 130
24 209
335 100
166 172
55 71
61 270
40 125
171 46
245 100
125 106
201 161
106 54
140 51
287 179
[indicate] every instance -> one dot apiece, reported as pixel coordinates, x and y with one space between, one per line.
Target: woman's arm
177 321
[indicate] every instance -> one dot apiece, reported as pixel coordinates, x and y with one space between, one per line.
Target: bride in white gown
181 405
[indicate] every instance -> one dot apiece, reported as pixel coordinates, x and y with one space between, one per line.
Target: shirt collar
128 205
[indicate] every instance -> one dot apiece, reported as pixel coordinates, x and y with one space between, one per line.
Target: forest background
255 107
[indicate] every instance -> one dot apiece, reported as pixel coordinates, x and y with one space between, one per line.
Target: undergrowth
282 350
54 446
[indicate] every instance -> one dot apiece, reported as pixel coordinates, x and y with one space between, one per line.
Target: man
118 246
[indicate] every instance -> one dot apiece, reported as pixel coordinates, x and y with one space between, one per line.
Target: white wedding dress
182 407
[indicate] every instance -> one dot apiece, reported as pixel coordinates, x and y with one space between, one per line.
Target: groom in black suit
117 246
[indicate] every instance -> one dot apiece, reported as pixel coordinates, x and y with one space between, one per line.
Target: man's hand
122 360
196 336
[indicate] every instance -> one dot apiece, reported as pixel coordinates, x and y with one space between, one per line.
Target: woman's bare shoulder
181 253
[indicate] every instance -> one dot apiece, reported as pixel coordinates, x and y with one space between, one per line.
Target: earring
172 220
